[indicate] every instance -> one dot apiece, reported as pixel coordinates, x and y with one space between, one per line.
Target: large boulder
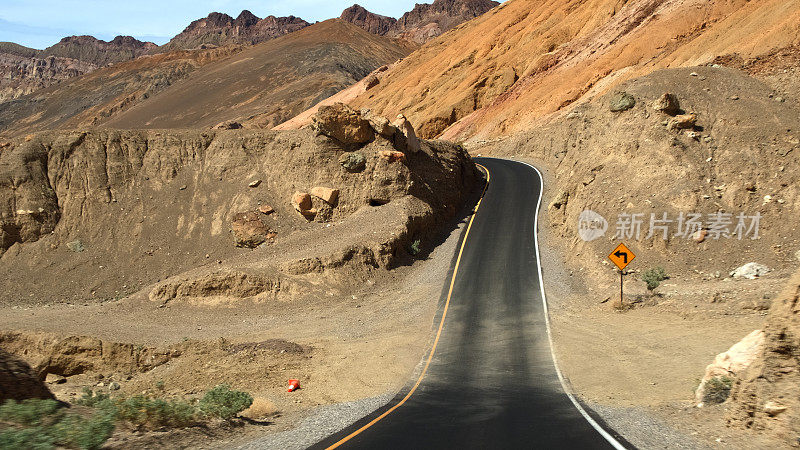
340 122
402 124
248 229
732 363
621 101
301 201
18 381
667 104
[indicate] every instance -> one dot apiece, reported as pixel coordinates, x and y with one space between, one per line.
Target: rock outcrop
249 230
733 362
767 396
222 29
18 381
342 123
421 24
374 23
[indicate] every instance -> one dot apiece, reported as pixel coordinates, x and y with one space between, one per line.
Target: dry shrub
260 409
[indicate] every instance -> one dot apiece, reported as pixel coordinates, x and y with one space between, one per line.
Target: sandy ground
364 345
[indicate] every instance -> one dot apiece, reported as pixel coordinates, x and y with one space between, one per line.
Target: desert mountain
259 86
528 58
269 82
421 24
374 23
222 29
88 100
24 70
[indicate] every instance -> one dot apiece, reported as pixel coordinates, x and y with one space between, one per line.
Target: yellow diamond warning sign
621 256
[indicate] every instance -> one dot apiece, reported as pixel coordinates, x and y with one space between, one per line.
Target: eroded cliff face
21 75
119 210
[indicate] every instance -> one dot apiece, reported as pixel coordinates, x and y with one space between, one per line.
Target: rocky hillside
421 24
99 52
527 58
89 100
109 213
723 142
24 70
221 29
269 82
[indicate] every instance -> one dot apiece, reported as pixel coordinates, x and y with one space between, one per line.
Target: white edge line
611 440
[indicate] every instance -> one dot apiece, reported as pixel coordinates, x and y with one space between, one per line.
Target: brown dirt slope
270 82
527 58
89 100
738 158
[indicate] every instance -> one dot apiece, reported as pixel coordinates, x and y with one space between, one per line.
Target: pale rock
734 361
774 408
750 271
402 124
682 121
329 195
699 236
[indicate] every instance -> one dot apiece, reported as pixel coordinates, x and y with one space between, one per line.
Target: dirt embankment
108 213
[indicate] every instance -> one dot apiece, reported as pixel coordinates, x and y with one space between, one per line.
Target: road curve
491 381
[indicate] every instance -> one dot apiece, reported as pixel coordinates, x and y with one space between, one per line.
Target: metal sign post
621 256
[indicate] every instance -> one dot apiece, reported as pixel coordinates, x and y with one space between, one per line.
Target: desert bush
28 412
224 403
260 409
44 424
146 412
653 277
91 398
717 389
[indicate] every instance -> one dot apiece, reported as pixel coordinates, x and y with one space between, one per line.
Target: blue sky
42 23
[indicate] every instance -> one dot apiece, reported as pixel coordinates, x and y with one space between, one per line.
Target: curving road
491 381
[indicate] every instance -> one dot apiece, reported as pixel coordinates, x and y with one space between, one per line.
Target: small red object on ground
294 385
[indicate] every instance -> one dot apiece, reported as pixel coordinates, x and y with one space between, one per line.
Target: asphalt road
492 381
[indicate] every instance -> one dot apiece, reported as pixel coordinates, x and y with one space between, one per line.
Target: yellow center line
438 332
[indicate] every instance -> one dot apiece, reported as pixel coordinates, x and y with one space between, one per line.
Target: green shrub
28 438
143 411
43 424
224 403
28 412
415 247
717 390
92 399
90 433
653 277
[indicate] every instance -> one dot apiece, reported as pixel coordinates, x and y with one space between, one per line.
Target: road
491 381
